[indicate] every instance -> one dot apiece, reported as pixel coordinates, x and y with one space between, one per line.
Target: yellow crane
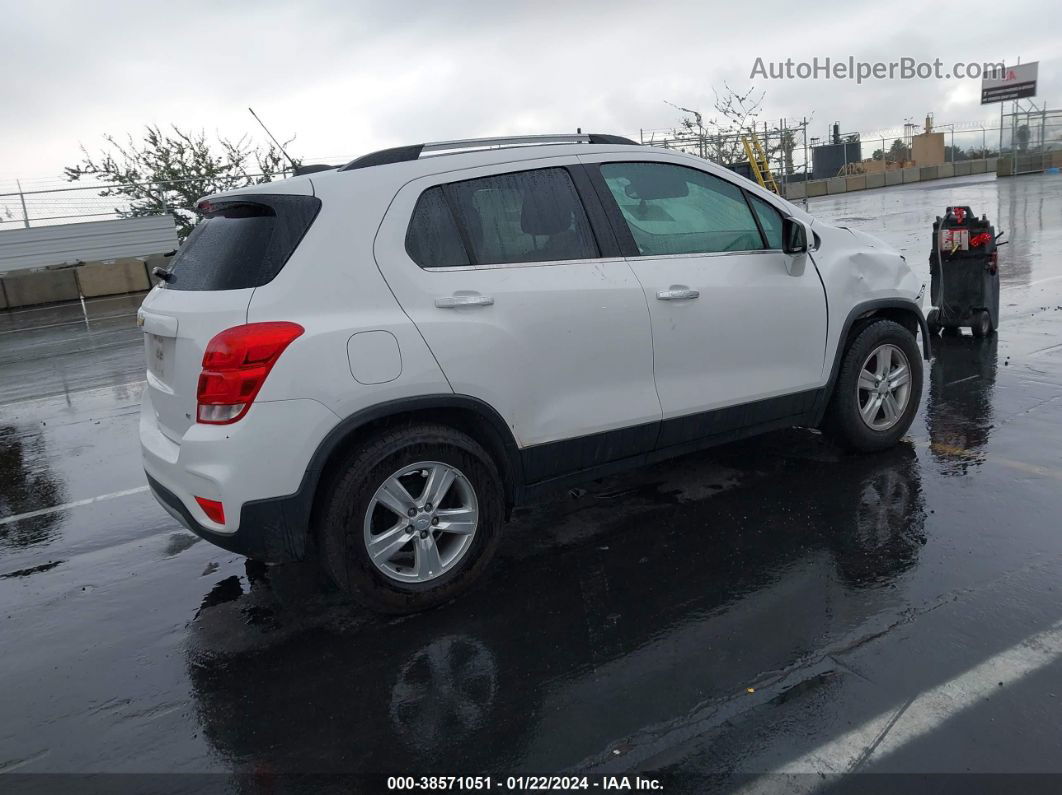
761 169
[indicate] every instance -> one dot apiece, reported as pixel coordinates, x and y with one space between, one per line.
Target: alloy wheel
421 522
883 388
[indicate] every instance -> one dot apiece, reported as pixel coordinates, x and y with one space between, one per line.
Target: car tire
933 321
982 323
852 420
355 504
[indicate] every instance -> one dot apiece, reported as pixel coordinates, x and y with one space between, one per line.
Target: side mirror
794 236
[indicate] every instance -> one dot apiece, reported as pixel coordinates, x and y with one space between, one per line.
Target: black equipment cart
964 273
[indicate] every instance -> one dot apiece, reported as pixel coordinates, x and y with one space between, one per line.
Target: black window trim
622 231
601 230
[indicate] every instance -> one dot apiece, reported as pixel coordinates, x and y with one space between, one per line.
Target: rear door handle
678 292
454 301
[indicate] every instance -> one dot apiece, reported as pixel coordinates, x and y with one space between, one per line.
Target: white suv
376 362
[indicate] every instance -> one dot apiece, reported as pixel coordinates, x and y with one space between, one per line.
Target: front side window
677 210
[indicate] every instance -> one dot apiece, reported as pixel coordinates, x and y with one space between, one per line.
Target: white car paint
568 343
566 349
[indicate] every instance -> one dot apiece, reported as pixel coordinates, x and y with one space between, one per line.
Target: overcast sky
350 77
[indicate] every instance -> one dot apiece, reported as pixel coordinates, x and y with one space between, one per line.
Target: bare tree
167 172
736 113
719 137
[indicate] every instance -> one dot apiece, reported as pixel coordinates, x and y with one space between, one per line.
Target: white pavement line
921 715
1030 284
76 504
78 392
66 304
78 322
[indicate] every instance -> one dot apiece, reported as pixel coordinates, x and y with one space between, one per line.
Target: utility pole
22 199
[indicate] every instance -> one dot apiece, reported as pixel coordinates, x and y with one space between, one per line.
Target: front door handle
454 301
678 292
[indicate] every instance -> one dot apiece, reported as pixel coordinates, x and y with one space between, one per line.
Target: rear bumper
272 530
255 468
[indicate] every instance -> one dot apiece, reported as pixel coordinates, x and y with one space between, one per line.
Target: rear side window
432 240
678 210
770 220
242 242
527 216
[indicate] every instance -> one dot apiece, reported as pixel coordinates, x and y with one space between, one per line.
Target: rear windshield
242 242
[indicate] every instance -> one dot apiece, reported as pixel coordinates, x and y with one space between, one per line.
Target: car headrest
541 216
656 183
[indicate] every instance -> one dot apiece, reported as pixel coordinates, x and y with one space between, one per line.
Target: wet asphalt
764 615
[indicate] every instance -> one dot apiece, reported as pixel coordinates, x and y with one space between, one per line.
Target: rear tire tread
346 496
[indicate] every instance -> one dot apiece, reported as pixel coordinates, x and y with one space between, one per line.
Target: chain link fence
45 203
1032 140
791 147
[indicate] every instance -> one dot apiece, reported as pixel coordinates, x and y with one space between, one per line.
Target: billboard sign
1016 82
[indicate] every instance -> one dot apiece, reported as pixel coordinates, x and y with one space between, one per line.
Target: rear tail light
213 509
235 366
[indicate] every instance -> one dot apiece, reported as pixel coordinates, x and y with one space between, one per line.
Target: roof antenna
294 168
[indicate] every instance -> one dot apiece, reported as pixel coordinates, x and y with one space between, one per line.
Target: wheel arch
466 414
900 310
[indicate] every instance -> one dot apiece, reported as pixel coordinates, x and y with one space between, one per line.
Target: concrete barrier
878 179
127 276
1004 166
3 295
43 287
990 163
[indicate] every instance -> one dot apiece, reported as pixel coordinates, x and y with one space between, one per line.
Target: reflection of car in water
959 412
569 650
446 689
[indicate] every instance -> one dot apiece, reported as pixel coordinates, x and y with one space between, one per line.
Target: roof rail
401 154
